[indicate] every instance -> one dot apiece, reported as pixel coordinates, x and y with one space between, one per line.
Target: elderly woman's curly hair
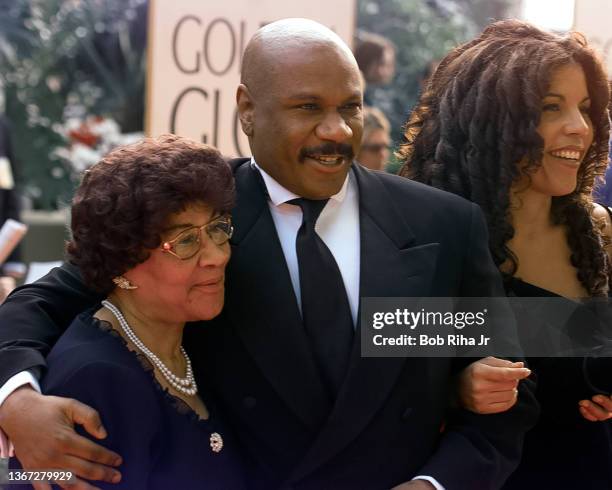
125 200
476 120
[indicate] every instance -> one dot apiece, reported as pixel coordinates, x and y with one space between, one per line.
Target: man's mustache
327 149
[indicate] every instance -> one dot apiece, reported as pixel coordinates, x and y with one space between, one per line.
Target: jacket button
406 413
249 401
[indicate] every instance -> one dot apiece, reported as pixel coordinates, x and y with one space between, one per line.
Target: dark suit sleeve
129 410
34 316
480 451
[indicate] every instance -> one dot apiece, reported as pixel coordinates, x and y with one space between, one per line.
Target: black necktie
325 307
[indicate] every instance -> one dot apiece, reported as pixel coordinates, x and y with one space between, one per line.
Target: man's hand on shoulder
41 429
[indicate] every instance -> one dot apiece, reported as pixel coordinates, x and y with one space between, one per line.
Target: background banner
194 56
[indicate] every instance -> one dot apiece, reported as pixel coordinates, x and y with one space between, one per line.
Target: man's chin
323 188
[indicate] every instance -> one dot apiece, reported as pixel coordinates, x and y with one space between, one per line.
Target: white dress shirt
338 227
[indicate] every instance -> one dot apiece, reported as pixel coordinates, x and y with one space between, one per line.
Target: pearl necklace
186 385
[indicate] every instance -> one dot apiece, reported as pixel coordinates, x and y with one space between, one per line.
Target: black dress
163 443
564 450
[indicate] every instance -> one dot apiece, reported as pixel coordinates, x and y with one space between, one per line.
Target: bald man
304 422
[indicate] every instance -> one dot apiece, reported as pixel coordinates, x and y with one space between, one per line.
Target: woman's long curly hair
477 119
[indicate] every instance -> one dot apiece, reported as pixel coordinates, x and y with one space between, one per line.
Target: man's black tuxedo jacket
391 420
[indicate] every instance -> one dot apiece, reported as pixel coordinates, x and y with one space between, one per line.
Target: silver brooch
216 442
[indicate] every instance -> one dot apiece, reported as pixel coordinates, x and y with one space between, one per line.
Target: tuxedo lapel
392 265
262 307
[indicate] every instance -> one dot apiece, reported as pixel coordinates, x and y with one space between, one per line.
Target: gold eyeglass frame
168 246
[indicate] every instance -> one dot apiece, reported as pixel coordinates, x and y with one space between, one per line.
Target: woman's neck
160 336
530 212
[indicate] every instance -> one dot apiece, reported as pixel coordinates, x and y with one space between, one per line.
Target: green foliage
61 59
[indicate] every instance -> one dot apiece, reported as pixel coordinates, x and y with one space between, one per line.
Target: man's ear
246 109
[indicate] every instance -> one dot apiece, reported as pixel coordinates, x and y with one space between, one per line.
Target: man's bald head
277 43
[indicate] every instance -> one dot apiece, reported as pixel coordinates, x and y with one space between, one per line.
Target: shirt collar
279 195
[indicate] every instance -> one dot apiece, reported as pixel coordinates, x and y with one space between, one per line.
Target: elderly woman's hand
489 385
597 409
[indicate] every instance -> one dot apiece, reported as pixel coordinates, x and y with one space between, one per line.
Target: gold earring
123 283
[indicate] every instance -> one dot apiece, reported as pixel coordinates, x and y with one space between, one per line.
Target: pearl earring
123 283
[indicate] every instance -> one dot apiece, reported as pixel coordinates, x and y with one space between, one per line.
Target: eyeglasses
375 147
188 242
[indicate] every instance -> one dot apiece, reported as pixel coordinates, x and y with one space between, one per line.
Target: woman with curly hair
150 230
517 121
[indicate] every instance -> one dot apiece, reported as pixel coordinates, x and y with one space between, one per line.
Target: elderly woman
517 121
150 229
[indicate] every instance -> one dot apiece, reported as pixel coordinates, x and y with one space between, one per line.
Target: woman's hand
489 385
597 409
